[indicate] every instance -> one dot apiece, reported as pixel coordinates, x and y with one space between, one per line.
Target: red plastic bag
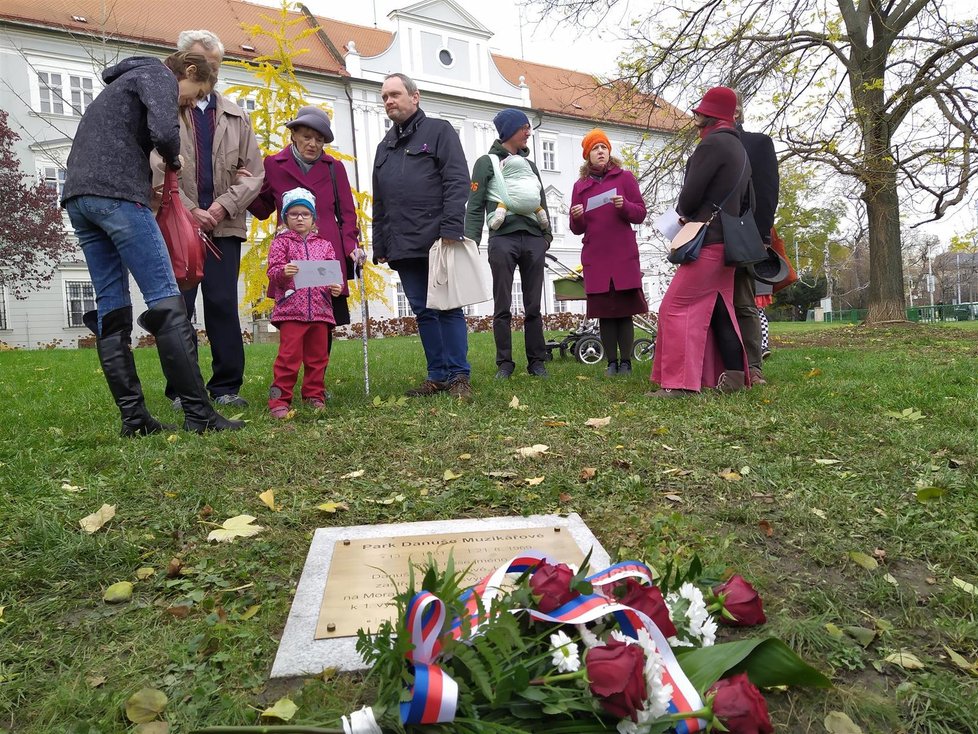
185 241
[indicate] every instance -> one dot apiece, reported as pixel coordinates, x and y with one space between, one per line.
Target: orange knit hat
593 138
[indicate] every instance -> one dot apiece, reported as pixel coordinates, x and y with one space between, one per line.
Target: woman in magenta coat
612 274
304 164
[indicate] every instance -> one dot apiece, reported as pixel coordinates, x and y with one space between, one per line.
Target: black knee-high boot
167 321
119 368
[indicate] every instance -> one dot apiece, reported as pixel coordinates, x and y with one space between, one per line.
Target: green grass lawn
824 471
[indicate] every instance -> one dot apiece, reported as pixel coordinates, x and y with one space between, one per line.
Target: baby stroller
583 341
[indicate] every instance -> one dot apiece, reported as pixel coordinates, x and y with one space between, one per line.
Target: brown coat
235 147
715 169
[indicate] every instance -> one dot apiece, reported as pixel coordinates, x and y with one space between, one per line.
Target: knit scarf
718 125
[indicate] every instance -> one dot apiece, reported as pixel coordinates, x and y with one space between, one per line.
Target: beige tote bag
455 276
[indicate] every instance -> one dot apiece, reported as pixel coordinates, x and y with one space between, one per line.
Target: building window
54 178
248 105
79 298
548 151
58 98
82 93
3 308
516 306
388 122
469 310
52 99
403 307
560 306
446 58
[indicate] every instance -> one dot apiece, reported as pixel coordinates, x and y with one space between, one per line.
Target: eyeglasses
299 215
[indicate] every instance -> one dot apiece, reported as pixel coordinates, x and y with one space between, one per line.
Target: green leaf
927 494
862 635
284 709
864 560
839 723
119 592
145 705
965 586
767 662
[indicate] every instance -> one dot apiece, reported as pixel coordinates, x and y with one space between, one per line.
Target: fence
922 314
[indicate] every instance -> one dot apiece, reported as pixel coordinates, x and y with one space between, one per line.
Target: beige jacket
235 147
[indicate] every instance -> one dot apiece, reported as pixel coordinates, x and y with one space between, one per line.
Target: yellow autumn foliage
278 96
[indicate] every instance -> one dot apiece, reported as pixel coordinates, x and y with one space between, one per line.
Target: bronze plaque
359 593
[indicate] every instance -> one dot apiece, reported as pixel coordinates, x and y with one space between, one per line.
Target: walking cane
365 319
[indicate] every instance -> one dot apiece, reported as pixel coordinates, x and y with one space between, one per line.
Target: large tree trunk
886 297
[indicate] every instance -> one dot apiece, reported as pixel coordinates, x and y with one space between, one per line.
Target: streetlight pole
958 268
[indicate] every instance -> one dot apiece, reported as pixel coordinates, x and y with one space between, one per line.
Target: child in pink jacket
303 316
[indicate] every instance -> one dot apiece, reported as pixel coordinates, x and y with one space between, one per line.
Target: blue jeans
119 237
444 334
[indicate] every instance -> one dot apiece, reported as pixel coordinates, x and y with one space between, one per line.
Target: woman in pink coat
305 164
612 274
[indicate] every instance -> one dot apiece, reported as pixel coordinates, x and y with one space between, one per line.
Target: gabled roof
443 12
552 89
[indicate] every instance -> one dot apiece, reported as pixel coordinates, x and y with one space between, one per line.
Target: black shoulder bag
686 245
742 243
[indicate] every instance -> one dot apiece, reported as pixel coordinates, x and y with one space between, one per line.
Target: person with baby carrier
507 192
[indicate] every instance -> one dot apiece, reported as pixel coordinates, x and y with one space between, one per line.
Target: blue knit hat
508 122
299 197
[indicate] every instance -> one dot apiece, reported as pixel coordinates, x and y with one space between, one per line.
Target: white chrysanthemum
587 636
566 657
697 626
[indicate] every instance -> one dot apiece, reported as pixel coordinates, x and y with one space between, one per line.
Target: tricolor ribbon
434 696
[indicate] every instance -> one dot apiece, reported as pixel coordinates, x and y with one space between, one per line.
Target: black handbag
742 242
689 251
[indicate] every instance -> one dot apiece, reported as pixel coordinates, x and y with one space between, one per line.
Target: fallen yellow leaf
332 506
534 451
449 475
268 498
97 519
353 474
598 422
533 481
238 526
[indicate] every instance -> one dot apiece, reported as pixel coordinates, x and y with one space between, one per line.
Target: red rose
648 599
551 586
616 674
740 706
741 600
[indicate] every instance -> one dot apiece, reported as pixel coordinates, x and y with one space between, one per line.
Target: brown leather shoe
731 381
426 389
460 387
757 377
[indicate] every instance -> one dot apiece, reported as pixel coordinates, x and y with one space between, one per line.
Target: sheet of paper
317 272
601 199
668 223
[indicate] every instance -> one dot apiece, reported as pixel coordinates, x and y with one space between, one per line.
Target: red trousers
301 344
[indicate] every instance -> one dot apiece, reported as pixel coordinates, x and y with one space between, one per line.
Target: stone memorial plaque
363 573
491 542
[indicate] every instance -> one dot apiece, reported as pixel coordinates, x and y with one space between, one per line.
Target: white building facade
50 69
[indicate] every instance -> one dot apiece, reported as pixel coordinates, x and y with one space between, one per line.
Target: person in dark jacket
108 190
747 292
421 184
698 343
515 240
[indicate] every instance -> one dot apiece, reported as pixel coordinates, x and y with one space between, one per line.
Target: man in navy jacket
766 180
420 187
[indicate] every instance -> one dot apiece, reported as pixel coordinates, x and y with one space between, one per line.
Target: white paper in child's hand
317 272
601 199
